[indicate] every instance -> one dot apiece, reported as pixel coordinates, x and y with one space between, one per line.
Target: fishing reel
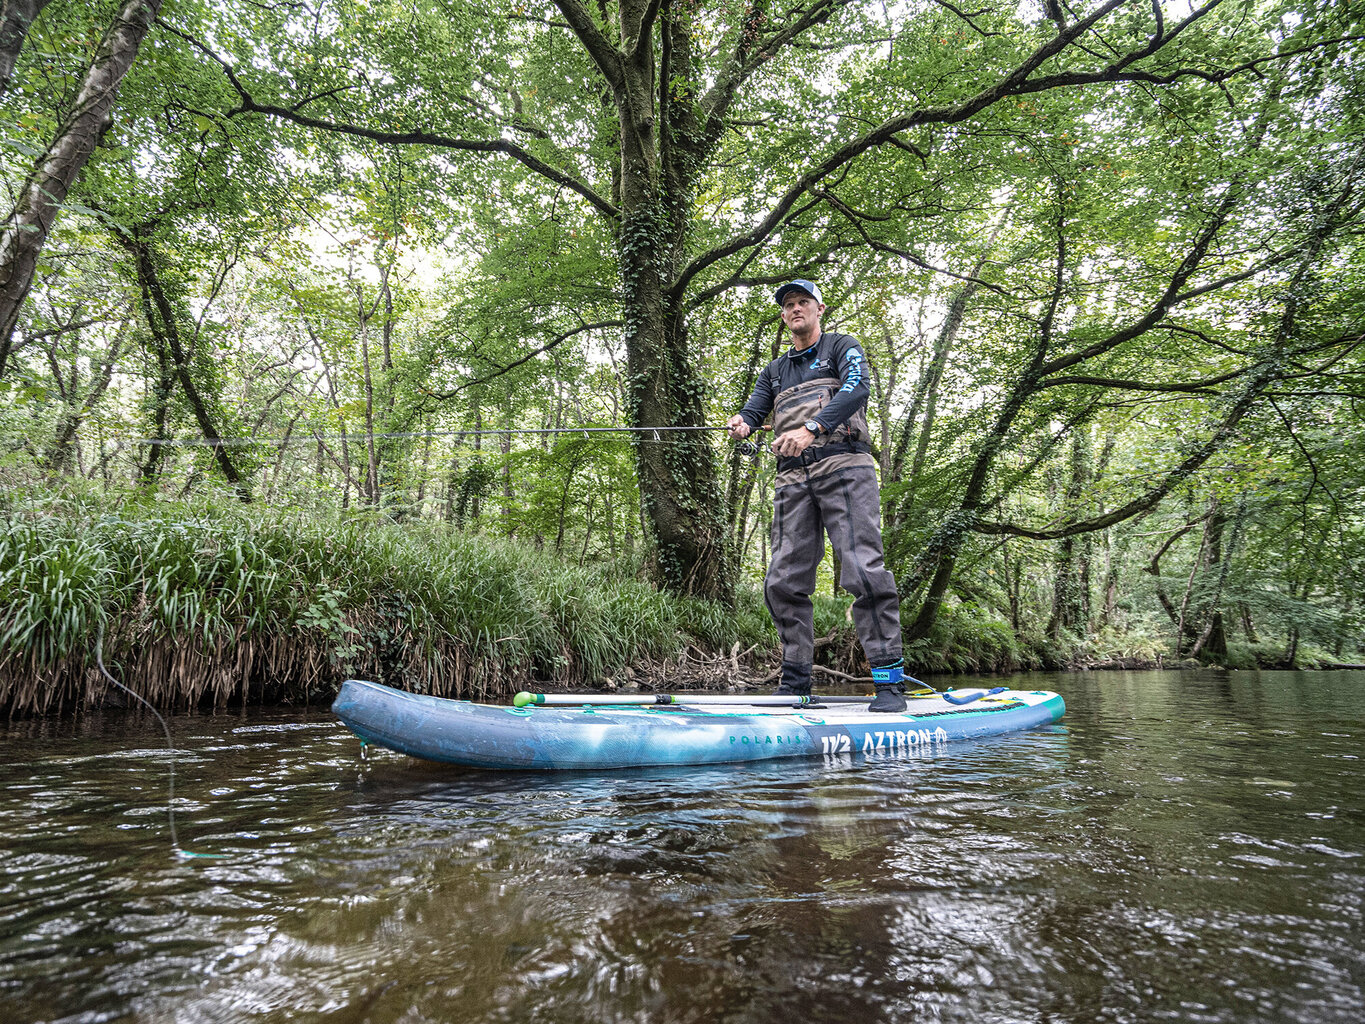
750 448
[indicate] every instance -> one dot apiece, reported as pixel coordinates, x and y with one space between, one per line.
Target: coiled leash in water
170 747
965 697
968 697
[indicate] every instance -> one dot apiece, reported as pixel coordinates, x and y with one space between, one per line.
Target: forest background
311 313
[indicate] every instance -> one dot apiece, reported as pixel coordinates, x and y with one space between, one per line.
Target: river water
1181 847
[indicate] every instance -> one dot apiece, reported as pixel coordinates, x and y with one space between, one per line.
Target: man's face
800 312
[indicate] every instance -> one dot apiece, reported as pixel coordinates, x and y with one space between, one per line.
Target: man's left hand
793 442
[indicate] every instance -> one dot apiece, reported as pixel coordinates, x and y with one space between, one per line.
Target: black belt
815 453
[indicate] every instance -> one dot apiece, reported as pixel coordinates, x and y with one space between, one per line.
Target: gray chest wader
830 488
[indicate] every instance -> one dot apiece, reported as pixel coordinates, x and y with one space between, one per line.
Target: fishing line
228 442
170 748
747 448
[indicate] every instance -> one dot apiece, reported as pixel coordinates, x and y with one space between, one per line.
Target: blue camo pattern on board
604 736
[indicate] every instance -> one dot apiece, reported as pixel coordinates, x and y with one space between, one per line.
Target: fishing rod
586 432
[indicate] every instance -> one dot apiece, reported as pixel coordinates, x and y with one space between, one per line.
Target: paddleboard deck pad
603 735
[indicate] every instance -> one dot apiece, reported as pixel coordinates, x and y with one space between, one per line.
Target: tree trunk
505 447
940 557
1213 642
1184 623
925 398
679 489
609 514
163 320
1111 583
569 472
149 469
739 483
587 533
1154 568
1071 582
475 505
881 395
1015 577
272 485
1110 586
41 196
15 18
1347 607
924 401
426 466
663 148
58 457
1214 646
367 379
678 484
452 475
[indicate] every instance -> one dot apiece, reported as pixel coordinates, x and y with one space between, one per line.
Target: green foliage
176 585
712 625
965 639
367 312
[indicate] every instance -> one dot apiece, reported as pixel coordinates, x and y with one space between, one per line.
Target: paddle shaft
758 700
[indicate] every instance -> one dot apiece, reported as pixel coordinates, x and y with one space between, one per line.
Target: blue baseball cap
799 285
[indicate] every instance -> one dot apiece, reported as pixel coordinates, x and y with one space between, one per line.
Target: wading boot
795 681
890 688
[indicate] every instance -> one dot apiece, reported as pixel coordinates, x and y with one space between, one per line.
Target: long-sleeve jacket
826 382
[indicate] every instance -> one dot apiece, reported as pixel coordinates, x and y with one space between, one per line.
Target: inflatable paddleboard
626 735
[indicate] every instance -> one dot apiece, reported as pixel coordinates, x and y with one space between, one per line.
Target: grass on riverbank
217 605
221 605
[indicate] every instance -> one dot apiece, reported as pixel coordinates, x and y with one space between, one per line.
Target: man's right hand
739 428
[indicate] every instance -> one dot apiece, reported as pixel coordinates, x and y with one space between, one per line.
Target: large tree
1179 275
52 175
720 144
16 16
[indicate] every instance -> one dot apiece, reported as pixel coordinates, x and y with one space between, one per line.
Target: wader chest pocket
804 401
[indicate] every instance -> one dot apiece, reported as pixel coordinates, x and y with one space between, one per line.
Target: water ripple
1183 848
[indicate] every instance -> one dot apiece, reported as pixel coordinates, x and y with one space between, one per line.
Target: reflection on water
1184 847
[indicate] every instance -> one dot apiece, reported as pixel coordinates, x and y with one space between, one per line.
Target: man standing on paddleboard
826 482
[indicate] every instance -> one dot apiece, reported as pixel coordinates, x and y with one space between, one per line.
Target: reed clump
216 605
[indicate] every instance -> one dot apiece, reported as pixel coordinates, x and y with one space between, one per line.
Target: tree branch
445 395
751 52
1316 481
643 37
855 218
246 104
67 329
1260 376
1196 387
1015 83
1263 373
1172 296
598 47
967 17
